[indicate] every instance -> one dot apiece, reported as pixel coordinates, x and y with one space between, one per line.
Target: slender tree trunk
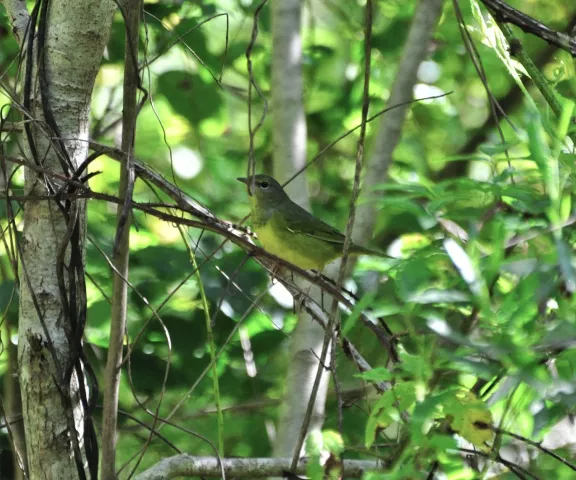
289 133
70 40
421 30
289 120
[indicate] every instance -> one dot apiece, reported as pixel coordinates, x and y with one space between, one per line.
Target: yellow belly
303 251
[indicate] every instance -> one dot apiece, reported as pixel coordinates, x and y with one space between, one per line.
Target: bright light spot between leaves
248 353
439 326
281 295
462 262
421 90
552 304
395 248
351 71
187 163
227 309
428 71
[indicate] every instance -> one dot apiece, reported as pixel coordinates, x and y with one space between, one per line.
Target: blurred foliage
483 298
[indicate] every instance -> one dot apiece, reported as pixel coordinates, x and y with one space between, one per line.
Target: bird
288 231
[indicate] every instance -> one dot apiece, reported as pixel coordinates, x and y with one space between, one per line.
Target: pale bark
421 30
76 33
288 118
289 134
18 18
189 466
305 350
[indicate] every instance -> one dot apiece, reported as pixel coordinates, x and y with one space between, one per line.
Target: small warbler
288 231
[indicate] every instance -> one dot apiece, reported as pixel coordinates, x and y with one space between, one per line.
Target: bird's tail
358 250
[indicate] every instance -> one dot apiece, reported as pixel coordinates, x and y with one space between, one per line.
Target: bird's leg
275 271
298 304
319 276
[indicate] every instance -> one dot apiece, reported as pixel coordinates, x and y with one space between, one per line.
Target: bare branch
189 466
507 14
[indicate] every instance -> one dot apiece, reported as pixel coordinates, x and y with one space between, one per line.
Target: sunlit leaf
470 418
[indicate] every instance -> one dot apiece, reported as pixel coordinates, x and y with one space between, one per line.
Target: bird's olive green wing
299 221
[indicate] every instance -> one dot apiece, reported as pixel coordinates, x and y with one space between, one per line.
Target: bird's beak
246 182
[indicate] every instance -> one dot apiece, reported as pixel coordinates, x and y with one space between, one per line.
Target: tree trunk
70 40
289 133
424 23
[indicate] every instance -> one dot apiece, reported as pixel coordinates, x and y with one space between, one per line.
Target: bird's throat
261 213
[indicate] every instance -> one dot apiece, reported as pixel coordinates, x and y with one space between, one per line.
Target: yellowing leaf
470 418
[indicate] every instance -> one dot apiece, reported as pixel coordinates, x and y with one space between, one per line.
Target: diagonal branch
505 13
204 219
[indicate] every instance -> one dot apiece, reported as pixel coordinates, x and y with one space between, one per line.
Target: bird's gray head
264 191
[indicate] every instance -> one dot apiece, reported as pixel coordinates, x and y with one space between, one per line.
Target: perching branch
204 219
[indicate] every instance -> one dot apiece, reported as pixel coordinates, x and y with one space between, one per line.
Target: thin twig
131 14
534 444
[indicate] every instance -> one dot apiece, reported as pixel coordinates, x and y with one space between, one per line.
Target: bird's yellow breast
285 247
304 251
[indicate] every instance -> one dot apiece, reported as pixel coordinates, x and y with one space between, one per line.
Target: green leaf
355 314
496 149
190 95
435 295
470 418
414 276
565 264
332 441
378 374
388 409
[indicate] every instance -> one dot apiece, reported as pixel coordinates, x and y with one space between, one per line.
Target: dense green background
449 167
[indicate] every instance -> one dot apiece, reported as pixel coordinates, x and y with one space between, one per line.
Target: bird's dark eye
264 185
